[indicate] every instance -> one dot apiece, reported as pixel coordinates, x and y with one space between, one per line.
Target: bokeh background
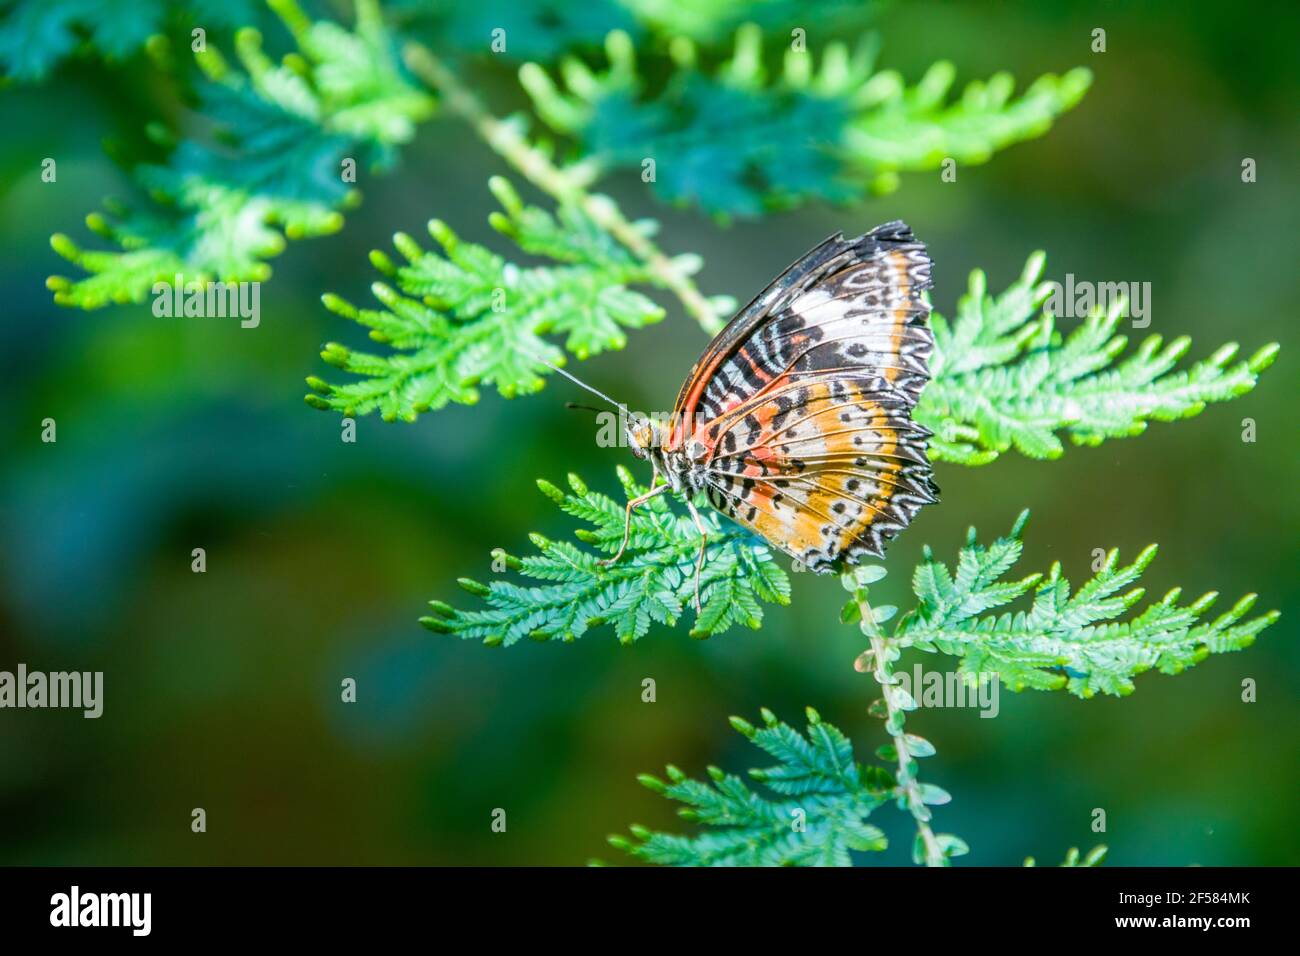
222 689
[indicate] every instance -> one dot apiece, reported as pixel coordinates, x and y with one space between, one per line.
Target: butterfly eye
638 437
695 450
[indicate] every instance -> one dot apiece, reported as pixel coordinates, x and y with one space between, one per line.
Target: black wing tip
893 231
895 235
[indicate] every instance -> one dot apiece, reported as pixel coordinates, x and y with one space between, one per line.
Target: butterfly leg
627 521
699 558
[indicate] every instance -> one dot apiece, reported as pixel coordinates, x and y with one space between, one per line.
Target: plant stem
564 185
908 787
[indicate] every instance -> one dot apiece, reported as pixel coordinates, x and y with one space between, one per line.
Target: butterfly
796 422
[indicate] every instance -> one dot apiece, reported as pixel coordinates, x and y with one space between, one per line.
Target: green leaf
1077 640
934 796
1003 377
950 845
816 816
653 583
271 170
462 316
918 746
831 128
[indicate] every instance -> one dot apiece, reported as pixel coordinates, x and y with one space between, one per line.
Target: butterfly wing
804 401
722 350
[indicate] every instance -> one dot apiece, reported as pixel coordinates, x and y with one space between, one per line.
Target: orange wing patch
822 470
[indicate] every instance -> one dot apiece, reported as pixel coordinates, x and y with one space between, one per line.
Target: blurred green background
222 689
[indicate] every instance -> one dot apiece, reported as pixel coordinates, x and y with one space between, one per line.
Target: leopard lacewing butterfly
796 422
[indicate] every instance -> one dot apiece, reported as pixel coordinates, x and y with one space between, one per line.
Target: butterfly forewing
747 320
804 401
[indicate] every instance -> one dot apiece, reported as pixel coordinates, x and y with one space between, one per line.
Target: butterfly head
643 437
681 467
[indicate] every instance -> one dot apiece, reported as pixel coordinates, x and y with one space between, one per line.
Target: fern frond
653 582
897 128
736 144
1066 639
464 316
823 798
226 204
1004 377
1077 640
905 749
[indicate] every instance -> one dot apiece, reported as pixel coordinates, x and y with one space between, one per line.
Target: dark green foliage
534 29
1004 377
37 35
272 168
653 583
1075 640
817 815
733 152
267 167
464 316
737 144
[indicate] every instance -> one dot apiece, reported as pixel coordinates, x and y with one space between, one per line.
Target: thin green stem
909 789
567 185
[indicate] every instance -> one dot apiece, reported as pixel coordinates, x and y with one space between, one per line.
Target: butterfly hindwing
807 415
824 470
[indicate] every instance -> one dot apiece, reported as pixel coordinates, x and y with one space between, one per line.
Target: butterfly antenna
581 384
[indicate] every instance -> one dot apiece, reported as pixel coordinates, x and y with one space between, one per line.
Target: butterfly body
796 421
684 468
